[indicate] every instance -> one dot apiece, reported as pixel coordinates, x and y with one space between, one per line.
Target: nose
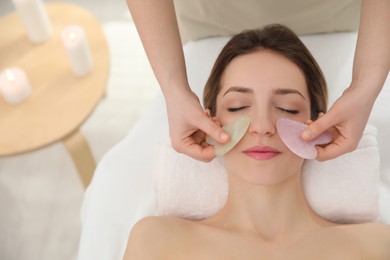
262 123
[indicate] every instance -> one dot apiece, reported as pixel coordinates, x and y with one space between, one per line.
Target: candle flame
10 75
72 36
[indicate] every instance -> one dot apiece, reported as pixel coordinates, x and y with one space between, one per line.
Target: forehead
263 69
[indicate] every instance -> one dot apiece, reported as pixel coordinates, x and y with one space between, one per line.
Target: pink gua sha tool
290 133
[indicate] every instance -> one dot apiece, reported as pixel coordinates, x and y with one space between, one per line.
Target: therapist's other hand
189 125
348 116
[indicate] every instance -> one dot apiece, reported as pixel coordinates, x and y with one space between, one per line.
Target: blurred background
40 191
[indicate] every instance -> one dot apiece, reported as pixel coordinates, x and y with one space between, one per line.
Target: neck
272 211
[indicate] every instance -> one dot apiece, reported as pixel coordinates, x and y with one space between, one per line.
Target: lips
262 152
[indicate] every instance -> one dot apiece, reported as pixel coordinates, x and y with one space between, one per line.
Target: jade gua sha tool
289 131
236 130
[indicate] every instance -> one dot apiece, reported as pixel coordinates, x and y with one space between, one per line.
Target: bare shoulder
382 233
375 237
151 237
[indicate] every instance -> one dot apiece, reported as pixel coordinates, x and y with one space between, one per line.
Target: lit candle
35 19
77 50
14 85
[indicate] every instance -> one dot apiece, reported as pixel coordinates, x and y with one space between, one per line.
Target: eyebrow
239 89
278 91
286 91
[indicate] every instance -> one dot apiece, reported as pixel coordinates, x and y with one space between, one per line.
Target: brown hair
277 38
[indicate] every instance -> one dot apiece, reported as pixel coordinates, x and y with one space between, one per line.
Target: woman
265 74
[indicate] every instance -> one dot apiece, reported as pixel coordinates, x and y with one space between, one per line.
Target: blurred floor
40 193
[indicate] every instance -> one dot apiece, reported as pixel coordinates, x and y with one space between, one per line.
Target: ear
208 113
215 120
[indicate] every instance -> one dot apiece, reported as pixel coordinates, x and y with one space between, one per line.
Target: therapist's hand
349 116
188 126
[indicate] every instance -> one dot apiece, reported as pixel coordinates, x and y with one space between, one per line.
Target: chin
264 172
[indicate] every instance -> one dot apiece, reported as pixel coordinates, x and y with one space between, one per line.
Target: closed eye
236 109
289 111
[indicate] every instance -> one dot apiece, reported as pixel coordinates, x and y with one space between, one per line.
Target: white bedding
122 189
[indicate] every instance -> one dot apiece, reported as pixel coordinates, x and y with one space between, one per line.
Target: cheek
294 159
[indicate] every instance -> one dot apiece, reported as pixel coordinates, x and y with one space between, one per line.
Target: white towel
343 190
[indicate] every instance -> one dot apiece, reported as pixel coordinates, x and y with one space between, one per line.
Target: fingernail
306 134
224 136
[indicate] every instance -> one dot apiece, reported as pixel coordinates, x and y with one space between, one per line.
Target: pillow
343 190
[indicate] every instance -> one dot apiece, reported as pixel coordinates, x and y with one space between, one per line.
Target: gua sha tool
236 130
290 133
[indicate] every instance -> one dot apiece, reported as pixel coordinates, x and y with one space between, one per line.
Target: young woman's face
266 86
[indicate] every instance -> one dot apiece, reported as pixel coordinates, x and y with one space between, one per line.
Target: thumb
214 130
317 127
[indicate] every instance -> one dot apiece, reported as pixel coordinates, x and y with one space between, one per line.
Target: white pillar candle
35 19
77 49
14 85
